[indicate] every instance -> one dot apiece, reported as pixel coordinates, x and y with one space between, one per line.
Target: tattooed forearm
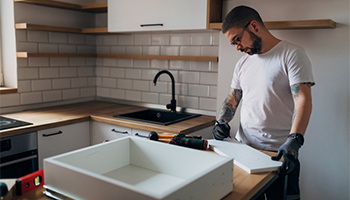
296 88
230 105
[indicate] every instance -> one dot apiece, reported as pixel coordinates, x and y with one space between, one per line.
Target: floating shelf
26 26
298 24
94 8
120 56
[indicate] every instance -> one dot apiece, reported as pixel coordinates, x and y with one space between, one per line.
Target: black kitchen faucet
172 105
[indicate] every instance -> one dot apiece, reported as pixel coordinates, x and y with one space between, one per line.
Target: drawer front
140 133
102 132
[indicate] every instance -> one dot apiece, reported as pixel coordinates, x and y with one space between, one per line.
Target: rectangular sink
155 116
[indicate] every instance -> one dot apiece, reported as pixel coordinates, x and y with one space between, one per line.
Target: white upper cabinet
154 15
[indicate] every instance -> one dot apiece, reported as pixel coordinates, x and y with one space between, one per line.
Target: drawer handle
137 134
52 134
122 132
143 25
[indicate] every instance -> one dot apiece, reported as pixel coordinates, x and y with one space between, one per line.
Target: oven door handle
18 160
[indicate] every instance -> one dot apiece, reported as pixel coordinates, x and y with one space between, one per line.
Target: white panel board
244 156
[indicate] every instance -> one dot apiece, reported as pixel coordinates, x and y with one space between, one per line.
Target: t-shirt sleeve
299 68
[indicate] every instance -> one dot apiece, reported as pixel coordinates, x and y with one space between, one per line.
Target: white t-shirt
267 102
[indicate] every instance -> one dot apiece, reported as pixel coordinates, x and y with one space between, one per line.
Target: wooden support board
244 156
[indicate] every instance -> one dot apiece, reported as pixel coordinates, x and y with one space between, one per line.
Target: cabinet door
140 133
102 132
152 15
62 139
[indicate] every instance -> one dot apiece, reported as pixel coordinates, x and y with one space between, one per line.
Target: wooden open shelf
94 8
298 24
26 26
121 56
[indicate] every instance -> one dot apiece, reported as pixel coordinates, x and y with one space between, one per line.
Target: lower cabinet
101 132
62 139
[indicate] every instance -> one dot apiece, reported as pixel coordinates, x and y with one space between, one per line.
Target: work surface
99 111
245 185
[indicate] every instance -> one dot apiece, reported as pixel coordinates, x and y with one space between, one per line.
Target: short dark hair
239 16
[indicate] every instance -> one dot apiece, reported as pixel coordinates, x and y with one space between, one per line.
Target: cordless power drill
182 140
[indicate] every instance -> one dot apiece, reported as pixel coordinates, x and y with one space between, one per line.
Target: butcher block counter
50 117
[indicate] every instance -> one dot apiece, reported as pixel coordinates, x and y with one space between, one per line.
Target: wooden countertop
99 111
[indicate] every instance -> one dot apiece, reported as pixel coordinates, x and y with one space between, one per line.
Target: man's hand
221 130
289 151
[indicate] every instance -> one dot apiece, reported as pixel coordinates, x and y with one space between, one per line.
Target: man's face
245 40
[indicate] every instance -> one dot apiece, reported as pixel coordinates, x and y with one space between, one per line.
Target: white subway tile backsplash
63 83
10 100
21 35
31 98
85 71
55 95
79 82
90 40
124 84
179 65
117 72
77 61
37 36
124 63
109 82
109 62
200 66
67 48
159 64
160 39
148 74
180 88
125 40
117 94
22 62
38 62
149 97
180 39
188 102
213 92
190 51
49 72
88 49
133 73
210 50
210 78
142 39
76 38
117 50
70 94
140 85
24 86
65 72
102 71
87 92
103 92
28 73
103 49
134 50
151 50
207 104
188 77
57 37
201 38
161 87
141 63
170 50
110 40
58 62
27 47
40 85
198 90
92 81
132 95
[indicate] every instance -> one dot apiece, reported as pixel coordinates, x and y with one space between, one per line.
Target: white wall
325 154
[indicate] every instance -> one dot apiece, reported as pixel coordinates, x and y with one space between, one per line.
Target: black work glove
289 151
221 130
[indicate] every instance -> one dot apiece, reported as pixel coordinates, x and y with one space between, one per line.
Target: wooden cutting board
244 156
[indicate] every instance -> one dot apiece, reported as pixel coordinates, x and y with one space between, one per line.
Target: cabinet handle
143 25
137 134
48 135
122 132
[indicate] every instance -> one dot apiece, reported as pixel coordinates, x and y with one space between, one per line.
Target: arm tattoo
296 88
230 105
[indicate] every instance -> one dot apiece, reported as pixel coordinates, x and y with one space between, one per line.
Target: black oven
18 155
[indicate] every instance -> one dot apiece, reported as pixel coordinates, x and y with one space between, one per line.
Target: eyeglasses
237 40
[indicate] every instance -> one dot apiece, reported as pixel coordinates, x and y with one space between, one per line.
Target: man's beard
256 46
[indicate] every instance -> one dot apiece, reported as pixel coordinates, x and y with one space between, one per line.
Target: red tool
29 182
